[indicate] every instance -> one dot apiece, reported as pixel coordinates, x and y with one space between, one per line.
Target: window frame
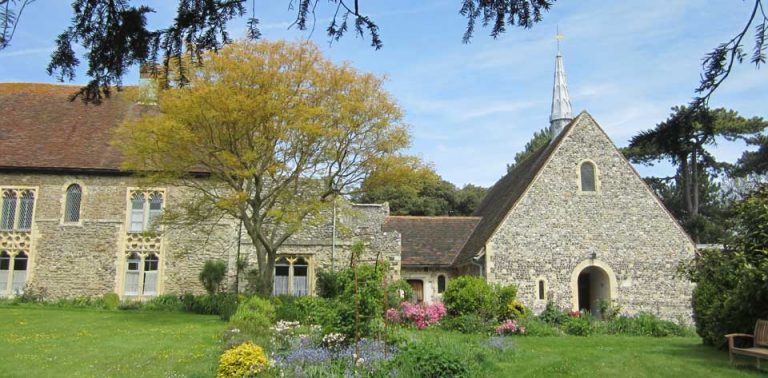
595 178
292 262
141 273
18 193
440 291
148 215
13 286
66 203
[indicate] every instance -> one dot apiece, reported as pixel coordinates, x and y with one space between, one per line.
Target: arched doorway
593 286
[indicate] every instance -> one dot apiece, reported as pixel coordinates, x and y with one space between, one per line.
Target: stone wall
88 258
556 231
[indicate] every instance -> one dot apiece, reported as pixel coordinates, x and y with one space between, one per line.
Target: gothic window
587 177
19 273
300 278
72 204
137 212
150 275
5 270
440 284
145 211
282 275
8 215
16 211
155 209
292 276
132 274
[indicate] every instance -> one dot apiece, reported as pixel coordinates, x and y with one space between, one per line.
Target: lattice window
72 204
8 216
155 209
588 177
145 211
27 204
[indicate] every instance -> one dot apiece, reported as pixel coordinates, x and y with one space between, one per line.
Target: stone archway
592 281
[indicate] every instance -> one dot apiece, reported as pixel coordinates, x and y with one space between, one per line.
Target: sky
472 107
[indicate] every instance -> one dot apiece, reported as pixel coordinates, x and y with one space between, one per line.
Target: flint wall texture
555 229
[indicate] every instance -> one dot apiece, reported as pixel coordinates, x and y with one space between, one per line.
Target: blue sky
472 107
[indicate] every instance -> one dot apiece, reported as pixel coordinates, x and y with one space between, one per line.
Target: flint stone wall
555 227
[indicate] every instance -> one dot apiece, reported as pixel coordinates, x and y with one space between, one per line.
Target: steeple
561 102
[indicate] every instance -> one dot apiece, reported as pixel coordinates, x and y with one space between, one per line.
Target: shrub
505 296
471 323
420 315
553 315
578 326
254 316
226 305
244 360
608 309
371 296
164 302
394 290
130 305
510 327
111 301
212 275
328 285
516 310
467 295
537 327
644 324
222 304
429 360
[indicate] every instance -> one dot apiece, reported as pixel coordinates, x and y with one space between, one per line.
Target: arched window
440 284
19 273
132 274
300 275
9 210
5 270
26 205
137 212
282 275
150 274
72 204
587 177
155 209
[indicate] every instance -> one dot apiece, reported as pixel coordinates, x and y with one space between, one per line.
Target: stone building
574 223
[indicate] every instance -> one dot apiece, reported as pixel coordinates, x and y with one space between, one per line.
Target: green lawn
52 342
601 356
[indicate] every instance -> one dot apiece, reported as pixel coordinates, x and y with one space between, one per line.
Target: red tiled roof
430 241
40 128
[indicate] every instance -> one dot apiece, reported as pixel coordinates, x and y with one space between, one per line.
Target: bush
222 304
111 301
328 285
578 326
244 360
130 305
212 275
552 315
506 296
429 360
254 316
537 327
393 293
467 295
608 309
371 297
644 324
164 302
471 323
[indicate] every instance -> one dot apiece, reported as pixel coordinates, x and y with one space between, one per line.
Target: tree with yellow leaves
275 130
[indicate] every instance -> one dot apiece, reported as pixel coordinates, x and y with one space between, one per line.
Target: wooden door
418 289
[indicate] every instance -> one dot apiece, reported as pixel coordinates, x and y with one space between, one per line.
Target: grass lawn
53 342
600 356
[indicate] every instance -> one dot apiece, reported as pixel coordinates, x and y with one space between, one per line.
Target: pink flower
392 315
509 327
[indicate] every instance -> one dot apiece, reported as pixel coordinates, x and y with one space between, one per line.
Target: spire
561 102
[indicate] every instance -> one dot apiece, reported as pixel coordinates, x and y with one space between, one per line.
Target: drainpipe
479 265
333 239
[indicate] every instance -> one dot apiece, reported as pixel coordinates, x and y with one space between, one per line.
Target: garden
359 325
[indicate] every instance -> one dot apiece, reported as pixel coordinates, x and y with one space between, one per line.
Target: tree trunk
694 184
686 185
